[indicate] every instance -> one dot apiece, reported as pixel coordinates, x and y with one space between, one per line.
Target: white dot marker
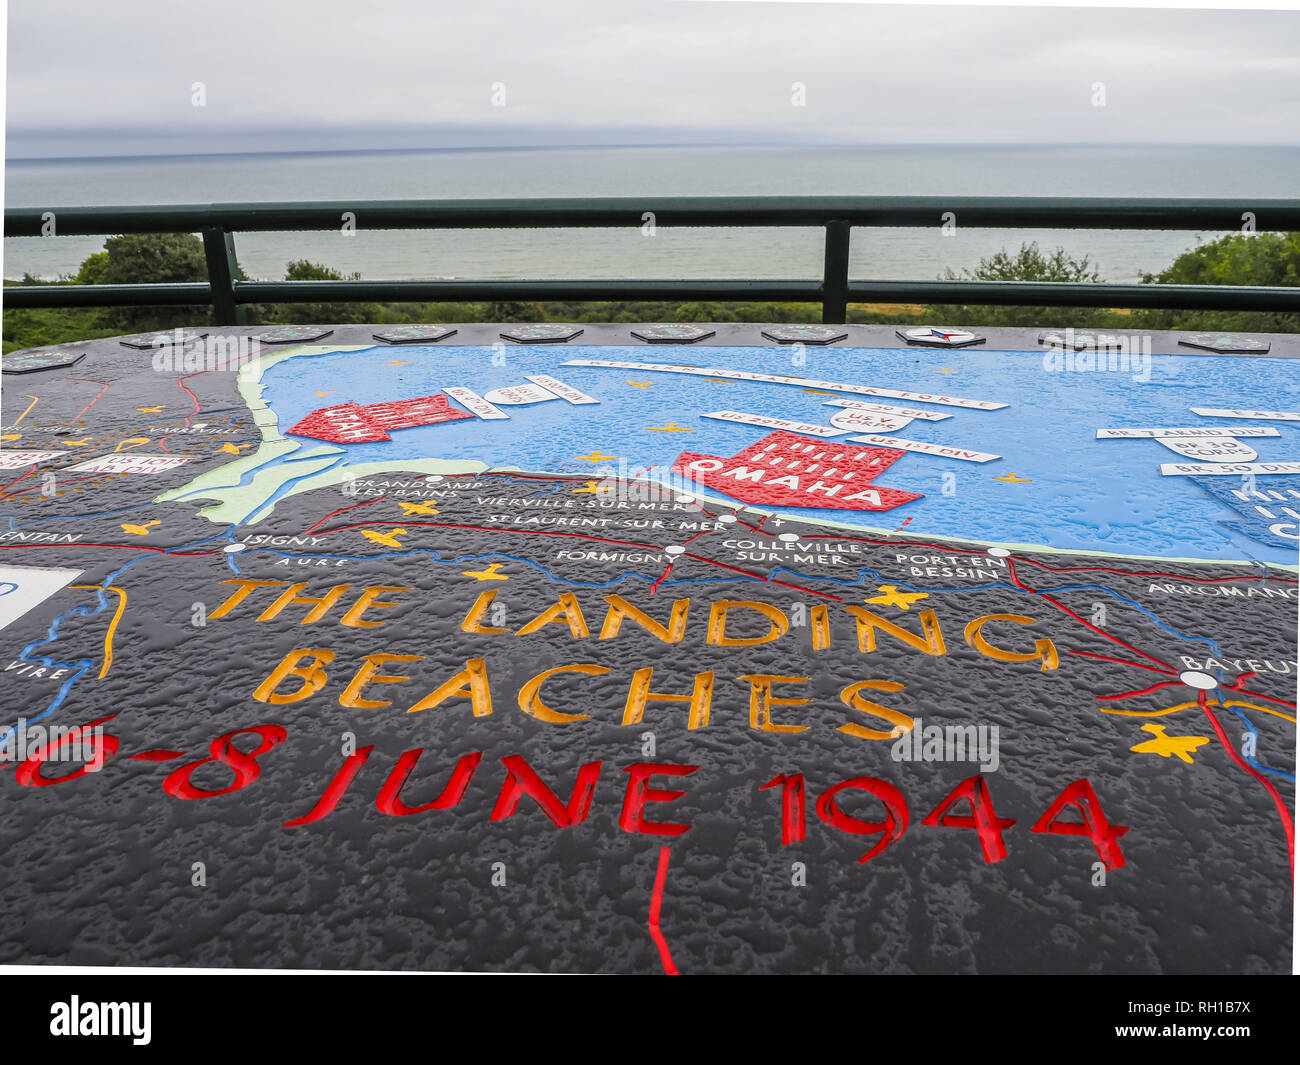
231 549
434 478
685 499
674 550
726 519
789 538
999 552
1195 678
198 425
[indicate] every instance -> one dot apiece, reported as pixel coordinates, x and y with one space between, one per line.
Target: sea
1242 173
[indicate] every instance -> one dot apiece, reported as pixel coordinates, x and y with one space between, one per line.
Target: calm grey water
1242 173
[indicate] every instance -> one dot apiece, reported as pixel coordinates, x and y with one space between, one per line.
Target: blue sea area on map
1072 491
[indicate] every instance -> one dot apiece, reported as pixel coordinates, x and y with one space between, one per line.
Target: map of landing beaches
617 658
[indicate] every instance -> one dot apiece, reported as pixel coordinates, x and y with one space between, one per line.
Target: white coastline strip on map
889 408
1226 469
1146 434
780 379
566 392
925 447
476 404
1263 415
774 423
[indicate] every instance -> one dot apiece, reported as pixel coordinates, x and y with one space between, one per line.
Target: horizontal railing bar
181 294
1005 293
1215 215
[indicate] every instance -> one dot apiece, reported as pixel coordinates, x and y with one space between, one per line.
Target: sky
90 78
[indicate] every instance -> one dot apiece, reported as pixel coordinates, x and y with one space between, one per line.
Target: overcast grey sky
89 77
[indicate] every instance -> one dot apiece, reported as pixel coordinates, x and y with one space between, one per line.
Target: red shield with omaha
787 470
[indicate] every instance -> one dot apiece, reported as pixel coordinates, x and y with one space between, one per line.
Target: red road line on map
116 547
656 902
1140 573
1241 678
662 577
1011 571
341 510
1121 661
1259 695
71 480
1140 691
26 473
1288 826
800 588
93 401
181 381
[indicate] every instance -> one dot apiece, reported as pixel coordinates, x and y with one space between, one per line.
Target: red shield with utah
787 470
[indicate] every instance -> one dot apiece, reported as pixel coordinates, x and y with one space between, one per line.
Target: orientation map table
651 649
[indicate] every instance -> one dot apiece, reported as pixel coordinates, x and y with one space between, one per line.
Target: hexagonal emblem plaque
804 334
1225 343
162 339
930 337
415 334
541 334
292 334
1068 338
671 334
33 361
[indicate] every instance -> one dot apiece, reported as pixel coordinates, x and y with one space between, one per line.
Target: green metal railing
837 215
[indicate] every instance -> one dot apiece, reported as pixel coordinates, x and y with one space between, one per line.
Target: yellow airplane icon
139 530
231 449
489 574
150 410
1011 478
596 456
330 392
417 508
639 384
1169 746
891 596
671 427
592 488
387 539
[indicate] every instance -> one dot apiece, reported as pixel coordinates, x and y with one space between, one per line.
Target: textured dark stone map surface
805 647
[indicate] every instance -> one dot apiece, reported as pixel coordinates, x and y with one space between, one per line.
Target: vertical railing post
835 275
219 250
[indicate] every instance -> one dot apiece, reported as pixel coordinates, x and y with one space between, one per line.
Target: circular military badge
32 361
540 334
671 334
291 334
1225 343
415 334
930 337
804 334
163 338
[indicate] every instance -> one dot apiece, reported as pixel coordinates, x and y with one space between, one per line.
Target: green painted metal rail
836 215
